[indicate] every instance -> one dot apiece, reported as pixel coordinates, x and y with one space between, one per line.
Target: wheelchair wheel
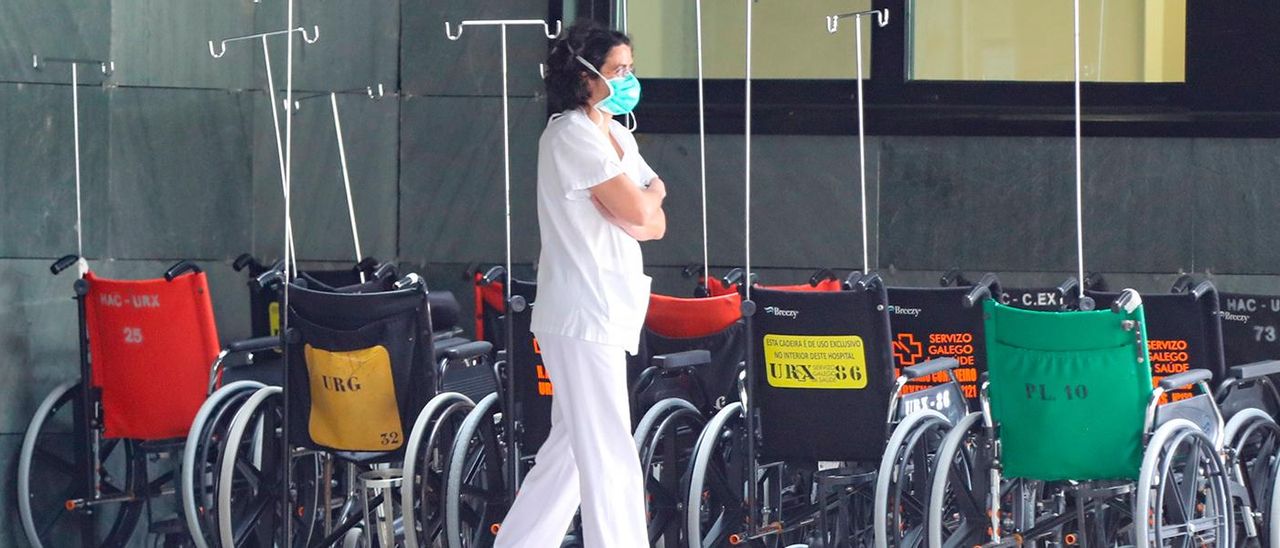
1254 439
49 469
199 463
1182 497
665 438
251 479
960 487
429 442
902 482
714 502
475 488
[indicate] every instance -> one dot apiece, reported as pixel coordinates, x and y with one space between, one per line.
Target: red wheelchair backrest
151 344
683 318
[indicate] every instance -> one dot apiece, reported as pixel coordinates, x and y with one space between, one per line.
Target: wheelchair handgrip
1202 288
733 277
1067 285
851 281
1254 370
693 270
870 281
821 275
243 261
468 351
386 270
179 269
368 265
253 345
679 360
1187 378
1128 301
976 295
495 274
64 263
1182 284
1094 280
929 367
951 278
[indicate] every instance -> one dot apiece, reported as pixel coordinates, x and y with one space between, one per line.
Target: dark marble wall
179 161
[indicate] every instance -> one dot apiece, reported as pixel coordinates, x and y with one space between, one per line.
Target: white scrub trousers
589 457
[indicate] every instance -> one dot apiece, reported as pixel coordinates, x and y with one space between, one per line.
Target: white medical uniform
592 300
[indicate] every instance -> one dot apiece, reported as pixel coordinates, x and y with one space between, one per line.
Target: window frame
1222 46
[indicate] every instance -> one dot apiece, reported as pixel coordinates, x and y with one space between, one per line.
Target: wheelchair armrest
681 360
1254 370
468 351
929 367
1187 378
253 345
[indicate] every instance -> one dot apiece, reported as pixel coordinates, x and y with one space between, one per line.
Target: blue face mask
624 92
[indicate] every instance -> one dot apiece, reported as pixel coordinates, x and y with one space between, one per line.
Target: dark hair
566 88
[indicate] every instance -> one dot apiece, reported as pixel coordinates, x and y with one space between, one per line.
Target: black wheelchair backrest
1184 332
821 373
933 322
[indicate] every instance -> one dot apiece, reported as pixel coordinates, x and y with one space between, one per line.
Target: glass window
1031 40
789 40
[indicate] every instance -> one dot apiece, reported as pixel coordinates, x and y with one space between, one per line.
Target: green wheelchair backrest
1068 391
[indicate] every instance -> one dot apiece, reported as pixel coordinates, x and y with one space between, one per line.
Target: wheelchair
361 367
93 458
817 382
1063 389
1185 331
244 367
691 353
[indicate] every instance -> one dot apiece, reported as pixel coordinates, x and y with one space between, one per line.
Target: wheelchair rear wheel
665 440
251 479
475 485
430 441
1254 439
715 501
1182 492
960 487
199 458
49 470
902 482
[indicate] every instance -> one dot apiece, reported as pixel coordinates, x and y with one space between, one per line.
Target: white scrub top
591 281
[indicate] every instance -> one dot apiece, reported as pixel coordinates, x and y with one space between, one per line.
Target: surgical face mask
624 92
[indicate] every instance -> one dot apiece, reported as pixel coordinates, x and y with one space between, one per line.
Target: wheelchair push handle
986 288
246 260
67 261
692 271
953 278
822 274
1095 281
367 265
1127 302
851 281
1067 286
495 274
386 270
180 268
1183 284
1203 288
869 281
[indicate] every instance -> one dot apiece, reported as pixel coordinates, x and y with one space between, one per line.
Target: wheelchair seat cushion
1065 388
